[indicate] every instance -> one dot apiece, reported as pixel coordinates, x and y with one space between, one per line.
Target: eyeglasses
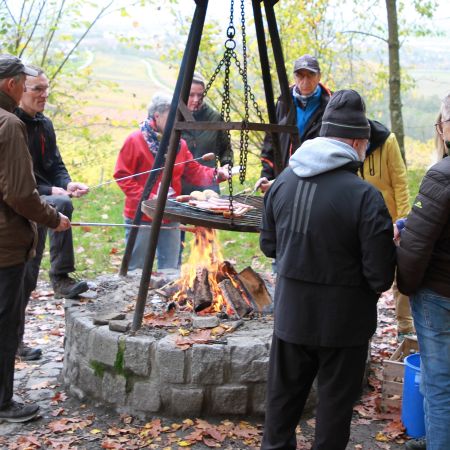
438 126
38 89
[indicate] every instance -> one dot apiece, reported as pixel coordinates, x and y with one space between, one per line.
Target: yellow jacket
384 168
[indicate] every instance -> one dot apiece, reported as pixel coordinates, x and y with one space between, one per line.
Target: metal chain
229 54
243 148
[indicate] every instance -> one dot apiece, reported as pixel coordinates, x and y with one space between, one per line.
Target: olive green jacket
201 142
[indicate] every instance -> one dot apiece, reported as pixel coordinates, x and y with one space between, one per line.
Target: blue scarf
306 106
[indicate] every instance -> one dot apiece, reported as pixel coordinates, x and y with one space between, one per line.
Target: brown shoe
66 287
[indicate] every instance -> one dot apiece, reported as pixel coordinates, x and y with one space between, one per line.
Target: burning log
203 296
256 288
234 298
169 289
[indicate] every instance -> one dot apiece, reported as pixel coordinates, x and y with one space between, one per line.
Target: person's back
332 236
327 216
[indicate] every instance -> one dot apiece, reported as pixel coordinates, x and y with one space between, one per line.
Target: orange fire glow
205 253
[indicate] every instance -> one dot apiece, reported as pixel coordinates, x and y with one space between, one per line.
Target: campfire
211 285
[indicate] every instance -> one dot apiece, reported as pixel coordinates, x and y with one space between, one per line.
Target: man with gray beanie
20 207
331 234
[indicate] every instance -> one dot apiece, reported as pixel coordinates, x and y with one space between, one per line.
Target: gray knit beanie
345 116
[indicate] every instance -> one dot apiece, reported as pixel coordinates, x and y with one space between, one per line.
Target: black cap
307 62
10 66
345 116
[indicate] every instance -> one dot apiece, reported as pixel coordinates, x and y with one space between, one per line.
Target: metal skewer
205 157
126 225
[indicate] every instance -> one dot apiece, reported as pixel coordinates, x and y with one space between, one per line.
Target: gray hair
198 78
160 104
444 114
38 69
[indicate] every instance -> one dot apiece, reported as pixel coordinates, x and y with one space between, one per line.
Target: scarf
150 135
304 99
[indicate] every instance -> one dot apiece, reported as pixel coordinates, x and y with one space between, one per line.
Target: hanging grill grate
186 214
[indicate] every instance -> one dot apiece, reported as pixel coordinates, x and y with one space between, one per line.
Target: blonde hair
444 114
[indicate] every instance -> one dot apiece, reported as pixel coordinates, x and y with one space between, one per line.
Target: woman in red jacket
138 155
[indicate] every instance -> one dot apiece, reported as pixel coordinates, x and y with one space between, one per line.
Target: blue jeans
431 313
167 250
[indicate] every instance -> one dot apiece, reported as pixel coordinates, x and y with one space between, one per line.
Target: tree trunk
395 101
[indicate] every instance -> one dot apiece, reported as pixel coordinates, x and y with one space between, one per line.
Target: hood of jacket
378 135
322 155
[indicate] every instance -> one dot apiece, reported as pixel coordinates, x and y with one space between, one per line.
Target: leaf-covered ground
65 423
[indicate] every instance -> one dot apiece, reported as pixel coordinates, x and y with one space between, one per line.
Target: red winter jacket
135 157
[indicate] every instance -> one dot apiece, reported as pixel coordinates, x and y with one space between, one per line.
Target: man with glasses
309 99
55 187
20 208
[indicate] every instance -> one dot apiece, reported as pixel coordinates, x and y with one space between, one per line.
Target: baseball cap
307 62
11 66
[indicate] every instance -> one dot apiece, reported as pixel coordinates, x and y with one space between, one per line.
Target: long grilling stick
126 225
205 157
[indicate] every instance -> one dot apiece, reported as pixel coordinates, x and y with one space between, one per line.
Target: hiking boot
26 353
416 444
18 412
66 287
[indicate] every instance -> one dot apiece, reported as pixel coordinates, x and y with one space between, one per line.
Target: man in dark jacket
331 234
201 142
56 187
20 206
309 99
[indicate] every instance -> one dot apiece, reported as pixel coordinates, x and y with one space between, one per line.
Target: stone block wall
145 375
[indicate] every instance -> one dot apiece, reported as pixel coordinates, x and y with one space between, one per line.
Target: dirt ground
66 423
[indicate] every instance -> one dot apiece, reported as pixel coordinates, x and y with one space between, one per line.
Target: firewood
203 296
234 297
256 287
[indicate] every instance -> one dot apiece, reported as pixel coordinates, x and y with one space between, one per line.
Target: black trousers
62 258
292 370
10 313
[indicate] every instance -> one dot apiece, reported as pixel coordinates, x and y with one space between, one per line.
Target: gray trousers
62 258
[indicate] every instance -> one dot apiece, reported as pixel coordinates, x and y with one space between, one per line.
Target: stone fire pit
146 373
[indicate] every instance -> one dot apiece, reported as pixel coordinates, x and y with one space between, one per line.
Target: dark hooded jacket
331 234
287 115
48 166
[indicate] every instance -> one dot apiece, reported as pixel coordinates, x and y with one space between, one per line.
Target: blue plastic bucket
412 404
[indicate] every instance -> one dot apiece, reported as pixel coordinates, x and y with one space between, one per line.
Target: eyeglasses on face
438 126
38 89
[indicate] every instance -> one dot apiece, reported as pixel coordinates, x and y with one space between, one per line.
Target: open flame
206 257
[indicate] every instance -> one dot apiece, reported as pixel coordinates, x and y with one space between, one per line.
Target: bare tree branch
366 34
36 22
52 33
99 15
10 13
